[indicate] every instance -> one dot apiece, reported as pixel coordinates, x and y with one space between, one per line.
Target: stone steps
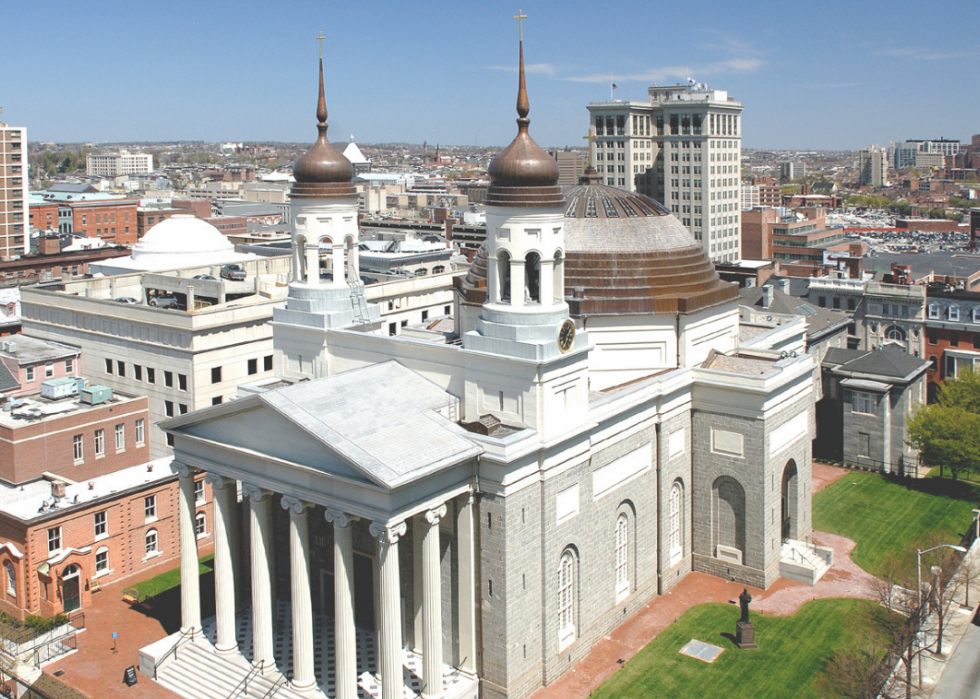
800 562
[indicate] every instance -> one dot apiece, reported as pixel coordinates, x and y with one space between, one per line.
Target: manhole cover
701 650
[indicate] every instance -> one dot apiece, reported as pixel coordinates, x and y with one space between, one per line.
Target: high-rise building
874 166
121 163
790 170
13 192
684 148
571 166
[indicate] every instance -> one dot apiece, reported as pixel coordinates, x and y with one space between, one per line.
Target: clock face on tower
566 336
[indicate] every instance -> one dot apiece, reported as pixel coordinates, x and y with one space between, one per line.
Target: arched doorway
532 277
503 275
790 501
70 588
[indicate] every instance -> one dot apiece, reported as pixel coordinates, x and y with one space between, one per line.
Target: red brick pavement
824 474
95 670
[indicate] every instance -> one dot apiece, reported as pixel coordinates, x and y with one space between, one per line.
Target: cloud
927 54
544 68
665 74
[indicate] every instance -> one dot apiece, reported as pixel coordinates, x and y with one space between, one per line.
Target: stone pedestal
745 635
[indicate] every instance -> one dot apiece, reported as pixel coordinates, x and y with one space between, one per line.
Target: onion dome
523 174
625 254
322 172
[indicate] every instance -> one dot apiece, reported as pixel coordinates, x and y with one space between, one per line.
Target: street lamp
918 566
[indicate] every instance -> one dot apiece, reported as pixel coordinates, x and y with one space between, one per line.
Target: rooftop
35 499
30 410
31 350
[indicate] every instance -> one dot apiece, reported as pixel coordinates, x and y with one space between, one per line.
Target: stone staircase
199 672
803 562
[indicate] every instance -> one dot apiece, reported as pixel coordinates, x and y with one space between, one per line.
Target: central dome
625 254
182 235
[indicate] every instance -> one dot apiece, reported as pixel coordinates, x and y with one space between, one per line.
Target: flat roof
33 409
30 350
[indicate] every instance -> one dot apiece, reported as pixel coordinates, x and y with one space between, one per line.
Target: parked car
127 299
206 277
236 273
165 302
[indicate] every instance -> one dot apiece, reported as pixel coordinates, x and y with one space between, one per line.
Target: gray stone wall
674 470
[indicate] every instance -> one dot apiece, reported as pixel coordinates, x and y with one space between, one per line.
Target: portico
352 497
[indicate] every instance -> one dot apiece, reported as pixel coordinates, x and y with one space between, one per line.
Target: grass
171 579
892 517
792 654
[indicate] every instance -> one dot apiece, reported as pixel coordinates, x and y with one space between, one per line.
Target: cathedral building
399 516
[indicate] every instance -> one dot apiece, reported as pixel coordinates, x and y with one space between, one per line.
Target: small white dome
183 236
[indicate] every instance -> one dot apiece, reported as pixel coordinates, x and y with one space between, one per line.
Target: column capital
183 470
467 498
339 518
255 493
218 482
295 505
435 514
388 533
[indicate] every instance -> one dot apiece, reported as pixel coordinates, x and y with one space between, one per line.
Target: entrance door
364 591
70 590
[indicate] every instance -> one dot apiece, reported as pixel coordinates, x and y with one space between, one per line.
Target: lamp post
918 589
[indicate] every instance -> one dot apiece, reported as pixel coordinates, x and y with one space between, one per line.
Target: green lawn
891 516
171 579
792 652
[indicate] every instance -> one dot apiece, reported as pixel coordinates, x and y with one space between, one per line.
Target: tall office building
874 166
13 192
682 147
121 163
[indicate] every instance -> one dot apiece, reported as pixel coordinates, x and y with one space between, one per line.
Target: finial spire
320 37
321 105
522 105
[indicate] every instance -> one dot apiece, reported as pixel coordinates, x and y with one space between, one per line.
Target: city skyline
247 72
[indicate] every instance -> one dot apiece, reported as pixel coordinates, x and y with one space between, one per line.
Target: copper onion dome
523 174
322 164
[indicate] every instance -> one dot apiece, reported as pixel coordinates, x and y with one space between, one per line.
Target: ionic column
390 656
225 498
417 537
345 636
466 548
517 283
262 554
313 263
190 583
304 676
431 606
546 285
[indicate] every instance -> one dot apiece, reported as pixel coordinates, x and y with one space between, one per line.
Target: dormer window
954 312
934 310
976 314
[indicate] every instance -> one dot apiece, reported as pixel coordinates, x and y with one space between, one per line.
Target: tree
962 391
946 436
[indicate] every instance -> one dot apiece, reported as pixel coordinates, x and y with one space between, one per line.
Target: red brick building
757 233
952 330
26 362
113 220
59 543
43 215
51 262
928 225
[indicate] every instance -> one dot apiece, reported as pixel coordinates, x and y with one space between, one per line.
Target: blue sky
827 75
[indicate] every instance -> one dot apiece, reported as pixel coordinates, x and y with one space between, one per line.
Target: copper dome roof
625 254
322 171
523 174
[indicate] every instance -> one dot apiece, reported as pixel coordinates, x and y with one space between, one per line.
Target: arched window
201 524
11 578
503 275
675 544
895 333
151 542
532 277
101 560
622 558
566 601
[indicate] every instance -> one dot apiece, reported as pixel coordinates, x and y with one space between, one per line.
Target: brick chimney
48 245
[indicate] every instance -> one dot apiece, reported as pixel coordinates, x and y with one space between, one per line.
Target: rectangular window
101 560
934 310
101 524
77 447
267 362
182 382
183 409
215 375
168 406
150 507
137 372
253 366
199 492
30 374
120 437
168 379
216 400
100 442
54 539
140 432
68 366
108 366
151 375
121 368
954 312
48 370
866 403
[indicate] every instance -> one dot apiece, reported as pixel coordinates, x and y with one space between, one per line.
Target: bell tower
524 320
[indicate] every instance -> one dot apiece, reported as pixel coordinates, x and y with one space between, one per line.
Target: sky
822 75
